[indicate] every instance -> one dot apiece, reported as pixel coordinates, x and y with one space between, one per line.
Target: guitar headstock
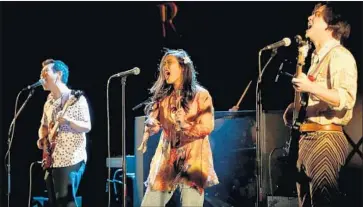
304 50
303 46
76 94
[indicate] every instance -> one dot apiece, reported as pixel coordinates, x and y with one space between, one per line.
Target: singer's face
49 76
171 70
316 23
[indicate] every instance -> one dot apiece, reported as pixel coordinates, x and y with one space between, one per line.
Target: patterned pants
321 155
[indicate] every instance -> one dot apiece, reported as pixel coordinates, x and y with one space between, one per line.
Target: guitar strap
314 73
63 100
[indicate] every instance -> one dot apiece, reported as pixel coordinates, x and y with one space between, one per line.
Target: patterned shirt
186 156
70 147
333 67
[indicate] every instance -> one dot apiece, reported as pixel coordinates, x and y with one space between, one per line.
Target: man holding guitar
331 86
62 137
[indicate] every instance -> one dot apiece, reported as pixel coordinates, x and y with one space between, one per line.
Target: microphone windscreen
287 41
136 71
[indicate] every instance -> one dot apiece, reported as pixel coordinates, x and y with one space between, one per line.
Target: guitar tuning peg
77 93
298 39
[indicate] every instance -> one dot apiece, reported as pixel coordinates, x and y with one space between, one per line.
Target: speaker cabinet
354 134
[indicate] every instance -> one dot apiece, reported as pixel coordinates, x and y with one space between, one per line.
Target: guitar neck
297 98
56 124
297 105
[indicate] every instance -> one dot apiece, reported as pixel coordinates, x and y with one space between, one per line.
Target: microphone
284 42
34 85
140 104
279 72
134 71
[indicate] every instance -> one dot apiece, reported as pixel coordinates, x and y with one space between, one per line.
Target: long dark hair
161 89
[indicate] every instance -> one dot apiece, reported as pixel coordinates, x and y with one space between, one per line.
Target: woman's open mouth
167 74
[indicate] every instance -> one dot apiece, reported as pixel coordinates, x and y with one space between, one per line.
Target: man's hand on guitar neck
77 125
63 121
302 83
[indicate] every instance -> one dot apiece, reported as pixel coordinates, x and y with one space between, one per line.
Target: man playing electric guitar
331 84
71 120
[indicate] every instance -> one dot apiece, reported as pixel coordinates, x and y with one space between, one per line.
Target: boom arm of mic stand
21 108
273 54
258 124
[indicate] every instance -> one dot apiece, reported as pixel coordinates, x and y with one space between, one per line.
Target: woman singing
184 111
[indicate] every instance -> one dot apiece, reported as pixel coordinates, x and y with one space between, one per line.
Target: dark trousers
62 184
321 156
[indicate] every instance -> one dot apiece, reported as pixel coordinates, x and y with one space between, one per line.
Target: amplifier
116 162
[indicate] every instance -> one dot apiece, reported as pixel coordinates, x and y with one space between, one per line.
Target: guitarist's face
50 76
316 23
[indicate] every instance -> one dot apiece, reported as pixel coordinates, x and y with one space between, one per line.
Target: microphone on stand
140 104
134 71
284 42
34 85
279 72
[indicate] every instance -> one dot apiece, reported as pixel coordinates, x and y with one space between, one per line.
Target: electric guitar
49 142
300 104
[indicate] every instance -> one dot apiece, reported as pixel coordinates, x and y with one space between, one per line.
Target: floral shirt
182 156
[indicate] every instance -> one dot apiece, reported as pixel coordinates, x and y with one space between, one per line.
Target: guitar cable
30 180
269 168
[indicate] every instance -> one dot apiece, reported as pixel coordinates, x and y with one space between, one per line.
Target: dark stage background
98 39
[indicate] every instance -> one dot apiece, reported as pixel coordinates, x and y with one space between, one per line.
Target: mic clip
281 72
141 104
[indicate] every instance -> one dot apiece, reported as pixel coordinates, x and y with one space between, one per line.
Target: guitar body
293 145
47 159
49 142
48 148
287 185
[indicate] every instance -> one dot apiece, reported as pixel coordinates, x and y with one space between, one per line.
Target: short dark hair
58 65
335 21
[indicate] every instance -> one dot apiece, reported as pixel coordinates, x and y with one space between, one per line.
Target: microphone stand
123 141
10 138
259 112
